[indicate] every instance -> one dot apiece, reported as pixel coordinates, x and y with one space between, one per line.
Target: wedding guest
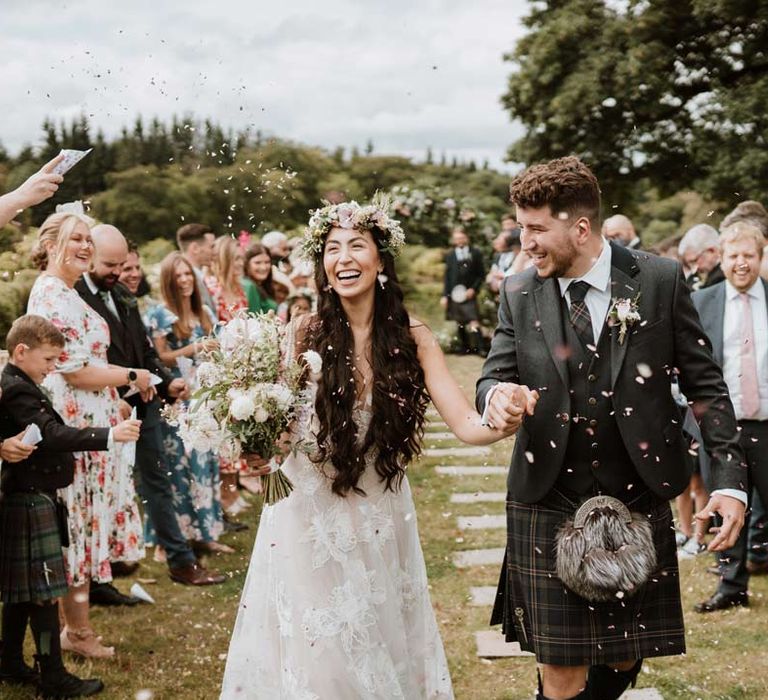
32 531
276 242
734 315
257 280
227 267
181 327
228 296
505 247
131 347
464 275
754 213
132 277
196 242
283 288
299 304
619 228
699 252
34 190
104 520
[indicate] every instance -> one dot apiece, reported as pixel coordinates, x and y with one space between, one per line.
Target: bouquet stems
276 487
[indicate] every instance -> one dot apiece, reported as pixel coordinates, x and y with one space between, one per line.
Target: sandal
85 643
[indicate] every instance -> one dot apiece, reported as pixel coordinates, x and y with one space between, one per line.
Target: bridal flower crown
351 215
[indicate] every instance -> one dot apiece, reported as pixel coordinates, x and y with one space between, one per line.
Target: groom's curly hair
400 396
565 184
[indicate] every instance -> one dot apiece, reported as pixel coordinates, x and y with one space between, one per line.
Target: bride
336 603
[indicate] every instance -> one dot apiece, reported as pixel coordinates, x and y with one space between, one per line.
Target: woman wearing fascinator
336 601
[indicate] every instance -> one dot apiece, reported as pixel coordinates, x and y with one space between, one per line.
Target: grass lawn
176 648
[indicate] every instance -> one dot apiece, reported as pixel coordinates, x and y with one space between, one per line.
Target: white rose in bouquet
260 415
208 374
282 396
242 407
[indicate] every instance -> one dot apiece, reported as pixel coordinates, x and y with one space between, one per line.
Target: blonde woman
224 284
104 520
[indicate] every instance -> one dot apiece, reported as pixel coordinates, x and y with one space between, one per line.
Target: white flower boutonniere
624 313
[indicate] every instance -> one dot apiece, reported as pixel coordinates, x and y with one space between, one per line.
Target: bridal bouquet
247 397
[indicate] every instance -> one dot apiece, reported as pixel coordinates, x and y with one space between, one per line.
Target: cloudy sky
406 74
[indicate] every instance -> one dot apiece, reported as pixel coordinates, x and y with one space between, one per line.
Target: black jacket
470 273
51 465
527 348
129 344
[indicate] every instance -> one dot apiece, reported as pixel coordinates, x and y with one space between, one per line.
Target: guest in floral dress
104 519
179 327
229 297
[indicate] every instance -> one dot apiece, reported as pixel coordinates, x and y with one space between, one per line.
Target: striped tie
580 318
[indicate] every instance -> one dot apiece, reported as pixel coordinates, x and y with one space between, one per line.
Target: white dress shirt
462 253
732 342
598 298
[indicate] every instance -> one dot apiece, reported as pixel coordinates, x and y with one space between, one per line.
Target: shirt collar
756 291
90 283
599 275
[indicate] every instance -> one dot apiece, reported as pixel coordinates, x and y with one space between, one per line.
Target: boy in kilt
593 332
33 525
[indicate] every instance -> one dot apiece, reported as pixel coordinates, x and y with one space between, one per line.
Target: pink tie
750 398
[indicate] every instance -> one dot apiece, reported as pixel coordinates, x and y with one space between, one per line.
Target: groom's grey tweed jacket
528 348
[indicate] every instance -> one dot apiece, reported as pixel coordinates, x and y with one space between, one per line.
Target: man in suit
595 329
506 246
130 347
699 252
464 275
195 242
734 315
619 228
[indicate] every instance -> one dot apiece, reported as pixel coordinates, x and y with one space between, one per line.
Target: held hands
40 186
732 512
12 449
127 431
509 405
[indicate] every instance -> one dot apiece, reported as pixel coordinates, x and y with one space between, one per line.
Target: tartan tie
580 318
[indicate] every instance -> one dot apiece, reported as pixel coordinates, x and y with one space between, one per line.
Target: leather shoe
195 575
233 526
757 568
107 594
722 601
21 675
67 685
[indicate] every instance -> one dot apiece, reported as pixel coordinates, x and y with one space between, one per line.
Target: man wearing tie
464 274
130 347
735 318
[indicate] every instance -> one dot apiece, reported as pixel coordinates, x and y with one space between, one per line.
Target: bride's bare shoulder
421 332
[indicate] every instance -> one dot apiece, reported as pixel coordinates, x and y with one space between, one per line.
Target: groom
598 330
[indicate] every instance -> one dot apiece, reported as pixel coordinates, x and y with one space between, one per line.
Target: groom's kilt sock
562 628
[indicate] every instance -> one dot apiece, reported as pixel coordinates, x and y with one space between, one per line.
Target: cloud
406 75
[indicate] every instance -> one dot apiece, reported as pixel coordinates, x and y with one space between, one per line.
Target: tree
657 90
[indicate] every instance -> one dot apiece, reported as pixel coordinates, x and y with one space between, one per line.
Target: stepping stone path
479 497
492 645
482 522
457 451
470 471
482 596
642 694
478 557
439 436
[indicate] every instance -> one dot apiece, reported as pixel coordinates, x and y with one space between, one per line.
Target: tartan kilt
464 312
564 629
30 547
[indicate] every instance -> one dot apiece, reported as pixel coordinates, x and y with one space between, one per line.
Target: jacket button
564 417
58 468
593 423
595 464
592 378
592 401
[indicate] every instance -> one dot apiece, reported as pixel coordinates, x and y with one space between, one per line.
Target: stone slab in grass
642 694
482 596
492 645
470 471
439 435
481 522
478 557
457 452
479 497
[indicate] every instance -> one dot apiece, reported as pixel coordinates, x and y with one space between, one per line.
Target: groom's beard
560 260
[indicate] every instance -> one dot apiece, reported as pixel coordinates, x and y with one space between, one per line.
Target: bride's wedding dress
336 604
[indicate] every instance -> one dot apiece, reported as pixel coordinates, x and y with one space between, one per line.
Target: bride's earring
382 279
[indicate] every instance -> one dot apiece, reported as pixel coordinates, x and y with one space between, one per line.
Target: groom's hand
731 510
257 465
508 406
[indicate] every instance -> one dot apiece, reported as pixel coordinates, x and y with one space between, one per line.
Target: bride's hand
257 465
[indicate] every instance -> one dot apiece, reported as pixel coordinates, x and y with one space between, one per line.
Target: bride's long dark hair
399 392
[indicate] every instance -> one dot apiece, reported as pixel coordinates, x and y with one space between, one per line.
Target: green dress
257 302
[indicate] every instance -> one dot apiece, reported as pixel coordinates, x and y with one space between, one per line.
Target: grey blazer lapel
546 295
623 286
717 315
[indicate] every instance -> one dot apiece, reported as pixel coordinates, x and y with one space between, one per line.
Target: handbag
605 552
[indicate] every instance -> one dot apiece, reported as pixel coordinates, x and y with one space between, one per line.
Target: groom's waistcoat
595 457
